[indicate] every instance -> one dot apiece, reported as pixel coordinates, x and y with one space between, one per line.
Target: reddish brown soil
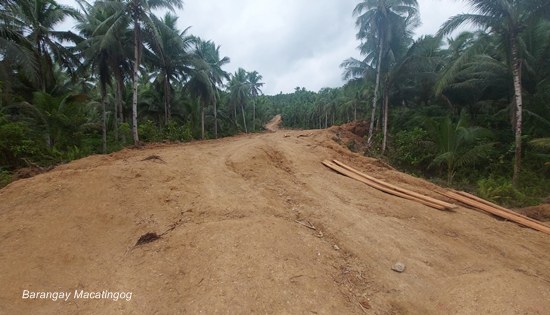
540 212
226 212
352 135
274 124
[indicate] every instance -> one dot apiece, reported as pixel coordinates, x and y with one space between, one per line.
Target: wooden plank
476 198
536 225
351 174
444 204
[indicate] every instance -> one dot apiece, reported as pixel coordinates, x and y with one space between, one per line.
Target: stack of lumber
484 205
387 187
460 196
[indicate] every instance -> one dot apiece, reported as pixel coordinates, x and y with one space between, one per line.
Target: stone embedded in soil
398 267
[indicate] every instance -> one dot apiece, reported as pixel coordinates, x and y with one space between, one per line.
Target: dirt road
227 213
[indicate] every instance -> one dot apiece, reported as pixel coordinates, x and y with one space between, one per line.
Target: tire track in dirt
231 206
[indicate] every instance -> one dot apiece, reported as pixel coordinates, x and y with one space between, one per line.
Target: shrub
5 178
500 190
175 132
149 132
411 150
16 144
125 132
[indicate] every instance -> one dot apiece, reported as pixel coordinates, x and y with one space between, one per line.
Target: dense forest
469 109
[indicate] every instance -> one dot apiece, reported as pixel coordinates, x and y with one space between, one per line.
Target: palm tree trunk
215 120
244 119
49 141
385 130
449 103
118 110
375 96
166 100
378 123
516 71
202 121
115 121
137 56
254 116
450 173
103 124
41 63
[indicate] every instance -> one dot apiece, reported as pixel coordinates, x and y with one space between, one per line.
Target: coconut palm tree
457 143
376 20
100 52
103 41
31 24
207 76
508 19
140 12
254 79
172 58
201 88
240 91
58 117
356 69
411 67
17 54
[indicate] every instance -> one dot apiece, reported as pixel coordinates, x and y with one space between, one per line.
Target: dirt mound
274 124
359 128
352 135
255 224
28 172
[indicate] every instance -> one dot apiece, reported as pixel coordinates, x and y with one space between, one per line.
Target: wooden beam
494 205
509 215
375 185
444 204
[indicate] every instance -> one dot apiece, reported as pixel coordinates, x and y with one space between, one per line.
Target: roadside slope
229 208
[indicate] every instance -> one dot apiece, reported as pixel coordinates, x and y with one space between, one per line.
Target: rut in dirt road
256 224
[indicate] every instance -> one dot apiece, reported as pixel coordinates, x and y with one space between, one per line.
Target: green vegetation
127 76
472 109
469 109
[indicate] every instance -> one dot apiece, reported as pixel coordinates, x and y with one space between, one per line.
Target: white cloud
435 12
290 42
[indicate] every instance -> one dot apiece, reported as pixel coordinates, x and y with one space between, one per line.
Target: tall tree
457 144
254 79
376 20
17 54
104 38
58 117
141 14
207 76
172 58
240 90
508 19
104 53
35 21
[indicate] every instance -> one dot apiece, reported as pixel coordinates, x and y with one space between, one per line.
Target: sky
291 43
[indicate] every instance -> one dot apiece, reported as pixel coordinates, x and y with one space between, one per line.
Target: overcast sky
290 43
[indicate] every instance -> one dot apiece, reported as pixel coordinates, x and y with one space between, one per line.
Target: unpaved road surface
226 211
274 124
